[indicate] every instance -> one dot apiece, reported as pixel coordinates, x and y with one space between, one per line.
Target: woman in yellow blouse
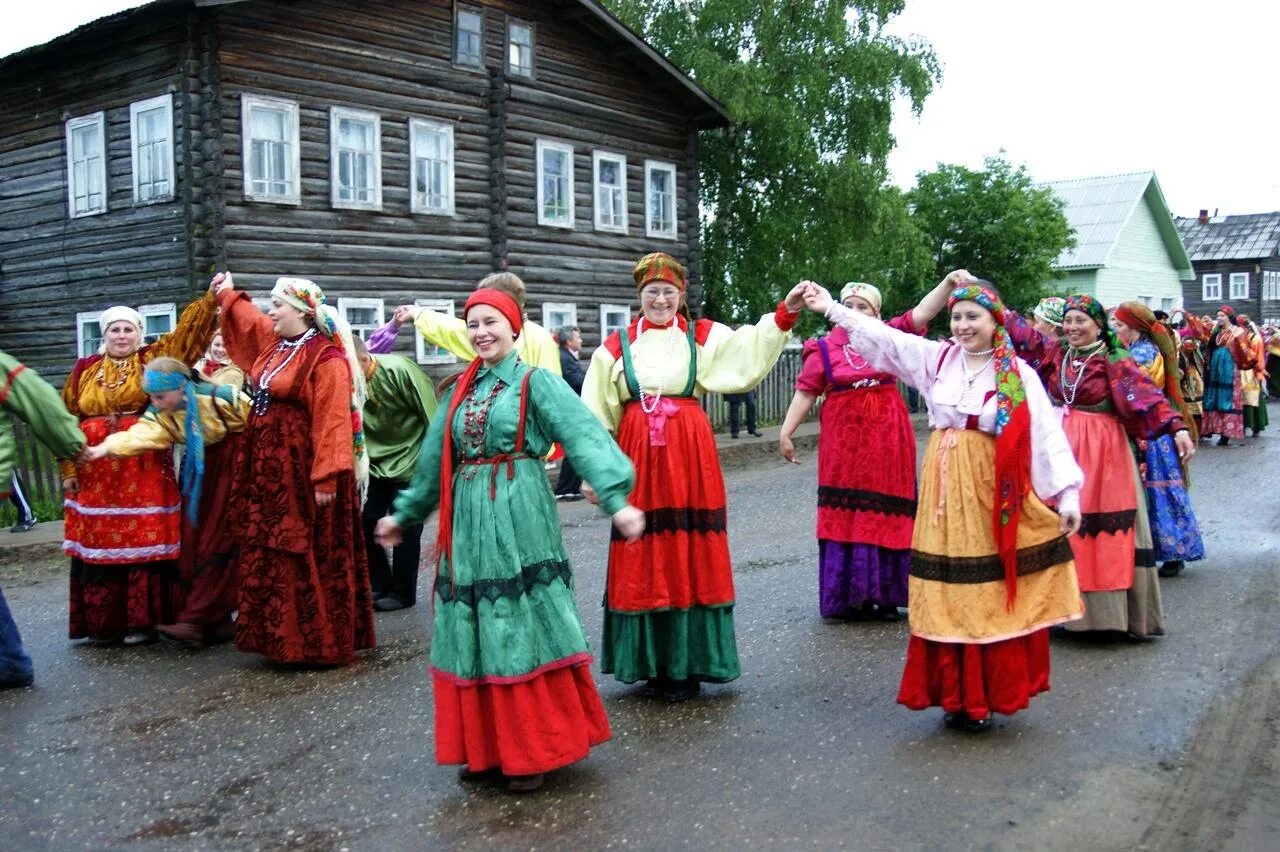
669 605
123 514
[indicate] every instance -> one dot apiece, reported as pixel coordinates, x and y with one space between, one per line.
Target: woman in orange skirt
991 569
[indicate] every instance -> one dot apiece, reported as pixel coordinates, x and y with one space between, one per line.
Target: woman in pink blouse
866 463
991 569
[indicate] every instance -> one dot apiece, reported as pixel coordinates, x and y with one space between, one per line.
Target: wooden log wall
53 266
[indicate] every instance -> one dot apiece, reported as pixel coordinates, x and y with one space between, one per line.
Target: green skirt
684 644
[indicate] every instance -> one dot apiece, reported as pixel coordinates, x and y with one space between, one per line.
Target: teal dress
509 658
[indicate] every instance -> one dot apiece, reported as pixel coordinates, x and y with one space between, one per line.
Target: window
1211 287
468 42
610 171
1166 304
87 165
660 199
613 318
355 159
428 354
559 315
519 48
263 303
555 184
88 333
363 315
1147 300
1272 286
271 167
151 143
431 167
157 320
1239 285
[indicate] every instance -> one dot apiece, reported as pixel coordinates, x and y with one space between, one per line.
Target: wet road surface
1166 744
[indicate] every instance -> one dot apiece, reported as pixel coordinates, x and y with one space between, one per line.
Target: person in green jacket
27 396
510 664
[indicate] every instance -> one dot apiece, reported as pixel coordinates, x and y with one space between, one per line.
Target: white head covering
869 292
116 314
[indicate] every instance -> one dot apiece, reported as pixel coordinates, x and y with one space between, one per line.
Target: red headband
500 302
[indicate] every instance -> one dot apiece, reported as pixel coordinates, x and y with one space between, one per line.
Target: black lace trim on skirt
703 521
537 574
858 500
93 572
988 569
1096 523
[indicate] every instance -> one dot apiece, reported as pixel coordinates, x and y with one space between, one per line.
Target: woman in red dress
295 508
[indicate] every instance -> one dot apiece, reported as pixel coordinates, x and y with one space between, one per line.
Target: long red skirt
524 728
206 567
1000 677
1104 548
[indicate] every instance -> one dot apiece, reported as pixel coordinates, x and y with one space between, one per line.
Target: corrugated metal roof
1097 209
1245 237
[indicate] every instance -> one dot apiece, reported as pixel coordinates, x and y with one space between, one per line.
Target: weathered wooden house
394 151
1126 244
1237 263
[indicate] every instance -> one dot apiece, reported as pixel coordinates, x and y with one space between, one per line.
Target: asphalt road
1168 744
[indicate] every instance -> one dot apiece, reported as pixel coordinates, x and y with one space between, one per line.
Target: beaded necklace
971 376
124 369
1072 358
475 422
262 394
649 403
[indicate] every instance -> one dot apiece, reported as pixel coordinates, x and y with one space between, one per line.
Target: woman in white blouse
991 567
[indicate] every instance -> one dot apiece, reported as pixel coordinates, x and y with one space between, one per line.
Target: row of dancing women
1010 530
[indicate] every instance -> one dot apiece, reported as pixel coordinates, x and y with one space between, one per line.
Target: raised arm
246 330
734 361
190 338
449 333
383 340
936 299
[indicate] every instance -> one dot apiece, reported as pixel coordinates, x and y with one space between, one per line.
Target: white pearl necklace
263 397
649 402
1071 388
971 376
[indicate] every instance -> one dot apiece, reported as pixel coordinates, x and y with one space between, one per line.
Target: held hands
1069 522
794 301
630 522
405 314
92 454
323 498
590 494
1186 446
787 449
816 297
387 532
221 282
958 278
71 484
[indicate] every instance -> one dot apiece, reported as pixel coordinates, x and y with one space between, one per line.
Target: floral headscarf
869 292
1013 435
307 297
1050 310
1093 309
1140 318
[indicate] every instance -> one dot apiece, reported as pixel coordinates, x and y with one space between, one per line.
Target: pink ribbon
664 410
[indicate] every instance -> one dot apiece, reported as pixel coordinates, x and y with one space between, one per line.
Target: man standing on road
400 405
569 339
24 394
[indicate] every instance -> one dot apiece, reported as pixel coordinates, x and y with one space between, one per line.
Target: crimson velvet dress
866 476
303 573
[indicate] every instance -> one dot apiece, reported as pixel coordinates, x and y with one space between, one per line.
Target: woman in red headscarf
510 666
669 604
1223 394
991 569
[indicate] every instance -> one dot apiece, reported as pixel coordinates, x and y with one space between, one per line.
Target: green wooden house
1126 244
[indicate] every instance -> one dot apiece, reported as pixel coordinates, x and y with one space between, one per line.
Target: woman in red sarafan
123 514
302 569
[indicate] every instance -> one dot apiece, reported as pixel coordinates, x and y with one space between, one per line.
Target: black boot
1171 569
1222 442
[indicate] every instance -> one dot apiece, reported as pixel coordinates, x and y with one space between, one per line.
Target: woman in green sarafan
510 665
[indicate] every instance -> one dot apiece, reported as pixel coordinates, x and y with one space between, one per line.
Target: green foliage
796 188
996 223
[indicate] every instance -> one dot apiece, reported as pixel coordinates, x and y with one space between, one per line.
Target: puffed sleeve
909 357
1150 362
1032 345
595 455
246 331
421 496
33 400
190 338
330 409
600 389
1139 403
540 348
449 333
736 360
383 340
145 435
813 375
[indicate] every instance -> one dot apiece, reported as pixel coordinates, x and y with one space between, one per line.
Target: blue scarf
154 381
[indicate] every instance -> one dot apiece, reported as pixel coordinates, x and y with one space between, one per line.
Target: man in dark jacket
569 486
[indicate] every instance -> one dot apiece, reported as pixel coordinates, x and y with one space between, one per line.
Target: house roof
1247 237
1098 208
590 12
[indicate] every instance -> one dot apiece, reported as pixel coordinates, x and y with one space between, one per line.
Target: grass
46 510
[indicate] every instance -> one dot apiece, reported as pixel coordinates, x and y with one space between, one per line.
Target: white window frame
419 126
346 303
605 310
164 102
84 318
97 120
549 308
650 230
167 309
458 10
598 157
1234 294
1168 304
424 352
1211 287
293 161
512 68
543 146
336 115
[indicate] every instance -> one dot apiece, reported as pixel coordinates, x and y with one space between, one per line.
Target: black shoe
1223 441
570 497
389 604
756 434
734 437
1171 569
681 690
17 681
24 526
976 726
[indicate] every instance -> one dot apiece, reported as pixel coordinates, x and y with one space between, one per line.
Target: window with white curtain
355 159
271 150
1211 287
660 199
151 143
87 165
431 167
610 174
1239 285
519 48
555 184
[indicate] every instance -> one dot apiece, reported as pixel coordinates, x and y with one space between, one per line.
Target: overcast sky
1071 88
